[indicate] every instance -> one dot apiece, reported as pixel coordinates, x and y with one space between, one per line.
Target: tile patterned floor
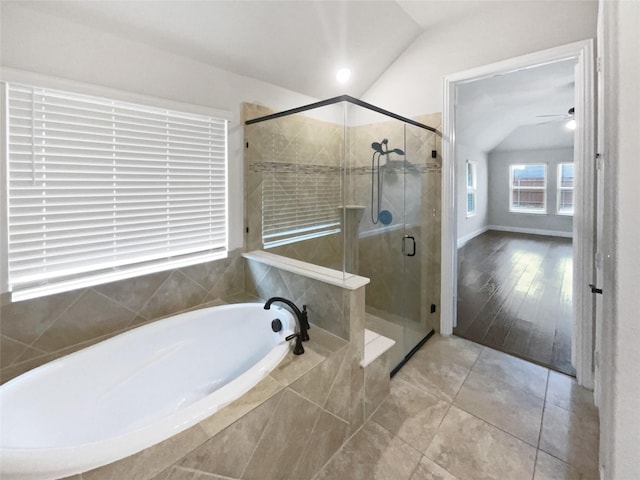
461 411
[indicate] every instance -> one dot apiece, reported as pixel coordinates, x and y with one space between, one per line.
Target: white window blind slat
101 189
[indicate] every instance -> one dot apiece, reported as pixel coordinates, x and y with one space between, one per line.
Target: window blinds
299 202
100 189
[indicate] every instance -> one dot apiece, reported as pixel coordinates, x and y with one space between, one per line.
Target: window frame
472 189
560 189
132 269
511 189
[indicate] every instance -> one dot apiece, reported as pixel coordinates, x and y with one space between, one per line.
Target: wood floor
514 295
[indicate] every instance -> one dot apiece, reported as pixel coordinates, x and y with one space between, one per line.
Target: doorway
584 206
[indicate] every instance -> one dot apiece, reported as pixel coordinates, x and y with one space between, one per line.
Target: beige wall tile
263 391
279 449
26 321
92 315
376 383
339 396
228 453
315 385
10 350
151 461
133 293
328 435
177 293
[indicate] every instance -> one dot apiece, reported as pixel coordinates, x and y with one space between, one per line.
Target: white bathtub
120 396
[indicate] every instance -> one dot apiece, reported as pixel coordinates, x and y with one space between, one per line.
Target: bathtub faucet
301 317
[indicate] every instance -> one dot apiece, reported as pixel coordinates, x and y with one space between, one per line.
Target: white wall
413 84
44 44
499 214
469 227
620 355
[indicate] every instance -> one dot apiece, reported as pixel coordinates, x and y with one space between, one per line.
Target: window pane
566 201
471 202
528 199
470 180
528 176
528 188
566 175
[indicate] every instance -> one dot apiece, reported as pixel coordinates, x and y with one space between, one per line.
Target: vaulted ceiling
300 45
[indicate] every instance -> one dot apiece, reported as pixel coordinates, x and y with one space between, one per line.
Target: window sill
528 212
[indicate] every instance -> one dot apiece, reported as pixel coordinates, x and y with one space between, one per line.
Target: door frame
584 196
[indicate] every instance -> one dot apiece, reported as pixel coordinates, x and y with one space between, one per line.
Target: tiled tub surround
291 423
33 332
120 396
286 427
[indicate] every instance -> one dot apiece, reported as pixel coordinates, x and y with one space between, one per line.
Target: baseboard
469 236
531 231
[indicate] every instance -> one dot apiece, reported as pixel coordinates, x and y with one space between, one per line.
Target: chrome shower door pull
413 248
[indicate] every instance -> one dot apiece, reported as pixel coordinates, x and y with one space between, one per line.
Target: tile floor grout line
544 408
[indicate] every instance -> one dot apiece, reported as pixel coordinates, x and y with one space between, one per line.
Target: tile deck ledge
374 346
323 274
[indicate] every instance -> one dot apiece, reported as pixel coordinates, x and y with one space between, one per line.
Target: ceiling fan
558 117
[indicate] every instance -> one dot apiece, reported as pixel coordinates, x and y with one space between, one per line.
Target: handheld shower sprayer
375 168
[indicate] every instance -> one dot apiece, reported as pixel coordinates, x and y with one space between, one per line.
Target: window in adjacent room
100 190
472 183
527 188
565 189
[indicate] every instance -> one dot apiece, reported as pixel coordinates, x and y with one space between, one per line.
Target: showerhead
377 147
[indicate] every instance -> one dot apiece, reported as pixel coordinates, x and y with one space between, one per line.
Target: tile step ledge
316 272
374 346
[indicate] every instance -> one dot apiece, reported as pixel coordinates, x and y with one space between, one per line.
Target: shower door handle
413 249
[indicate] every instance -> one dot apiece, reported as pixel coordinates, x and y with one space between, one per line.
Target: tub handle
298 349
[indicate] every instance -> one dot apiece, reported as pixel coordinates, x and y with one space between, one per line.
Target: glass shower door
392 244
417 241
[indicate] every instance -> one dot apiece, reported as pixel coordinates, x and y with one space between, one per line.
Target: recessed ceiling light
343 75
571 124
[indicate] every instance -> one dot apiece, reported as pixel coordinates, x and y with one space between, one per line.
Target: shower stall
347 185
